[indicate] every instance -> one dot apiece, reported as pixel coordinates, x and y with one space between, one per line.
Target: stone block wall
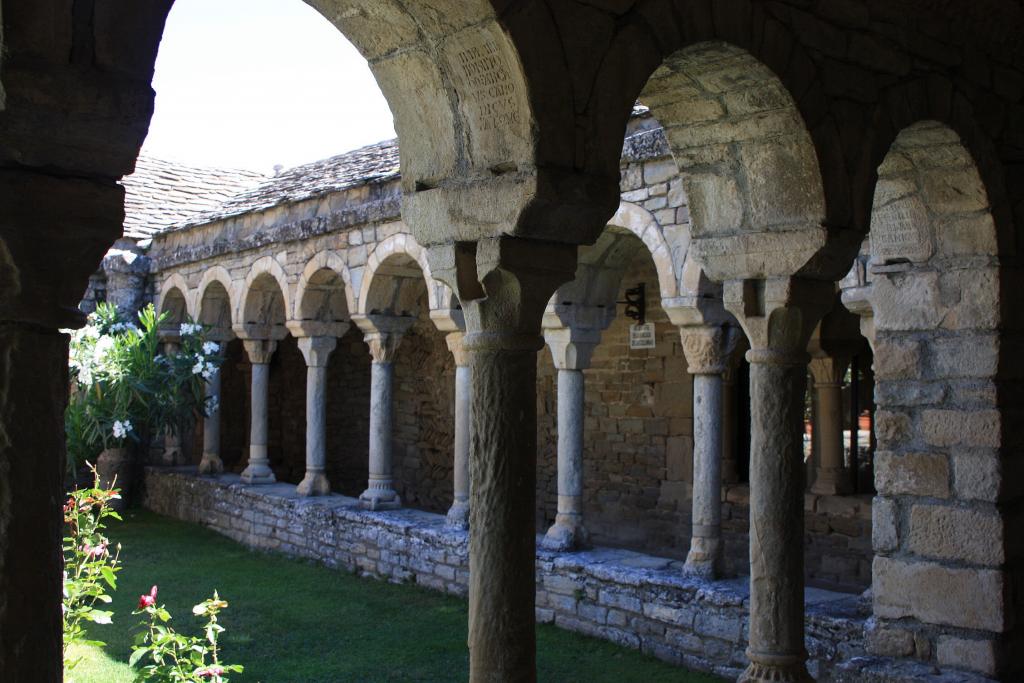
634 600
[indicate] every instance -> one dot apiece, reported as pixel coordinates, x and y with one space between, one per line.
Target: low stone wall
635 600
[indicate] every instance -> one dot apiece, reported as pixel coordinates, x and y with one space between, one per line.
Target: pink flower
148 600
212 671
95 551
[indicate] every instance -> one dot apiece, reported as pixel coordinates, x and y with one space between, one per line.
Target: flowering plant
90 565
173 657
123 388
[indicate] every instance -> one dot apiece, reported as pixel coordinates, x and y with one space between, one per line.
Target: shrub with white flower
123 389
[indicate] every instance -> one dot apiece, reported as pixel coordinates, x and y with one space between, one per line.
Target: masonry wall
636 601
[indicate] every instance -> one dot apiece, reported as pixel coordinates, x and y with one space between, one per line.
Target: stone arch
213 300
324 289
396 251
174 299
749 165
642 223
263 306
903 110
263 270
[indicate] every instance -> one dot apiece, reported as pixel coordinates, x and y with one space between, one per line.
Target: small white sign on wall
641 336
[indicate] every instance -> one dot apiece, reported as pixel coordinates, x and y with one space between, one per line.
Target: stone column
504 285
730 427
778 316
211 462
172 439
458 513
828 426
316 351
571 350
382 334
706 349
258 470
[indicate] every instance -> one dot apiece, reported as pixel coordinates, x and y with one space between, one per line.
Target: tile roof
161 194
370 164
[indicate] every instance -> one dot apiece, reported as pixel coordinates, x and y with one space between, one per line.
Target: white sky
253 83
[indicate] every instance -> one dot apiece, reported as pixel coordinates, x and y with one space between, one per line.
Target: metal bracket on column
636 303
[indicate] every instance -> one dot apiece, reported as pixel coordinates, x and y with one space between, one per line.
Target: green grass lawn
293 621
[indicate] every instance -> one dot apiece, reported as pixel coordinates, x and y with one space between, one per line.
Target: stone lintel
448 319
260 331
317 328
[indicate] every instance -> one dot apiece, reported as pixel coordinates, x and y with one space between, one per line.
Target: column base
756 673
704 559
211 464
380 499
313 484
458 516
785 670
830 483
258 473
566 535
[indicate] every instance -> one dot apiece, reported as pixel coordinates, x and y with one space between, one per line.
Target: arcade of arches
823 203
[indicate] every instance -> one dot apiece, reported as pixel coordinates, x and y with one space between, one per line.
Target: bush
123 388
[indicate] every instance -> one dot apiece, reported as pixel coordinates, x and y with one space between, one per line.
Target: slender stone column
571 350
730 427
258 470
503 284
778 316
316 351
211 462
458 513
828 426
707 349
172 439
383 334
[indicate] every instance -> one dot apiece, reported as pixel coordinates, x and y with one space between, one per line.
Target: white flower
210 348
121 429
198 367
102 346
209 370
190 328
212 404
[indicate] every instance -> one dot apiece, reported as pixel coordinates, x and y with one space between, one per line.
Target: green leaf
138 654
108 576
99 616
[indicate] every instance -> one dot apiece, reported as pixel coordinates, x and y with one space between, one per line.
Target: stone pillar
316 351
383 334
504 285
706 349
458 513
258 470
730 427
172 454
828 373
571 350
211 462
778 316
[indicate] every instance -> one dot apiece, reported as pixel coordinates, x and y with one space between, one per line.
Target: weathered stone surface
961 427
919 474
961 653
957 534
966 598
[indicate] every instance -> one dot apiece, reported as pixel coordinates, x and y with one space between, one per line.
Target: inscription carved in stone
900 232
488 84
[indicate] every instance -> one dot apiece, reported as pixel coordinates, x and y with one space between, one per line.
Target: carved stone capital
572 348
828 370
317 350
383 334
504 284
455 345
779 315
708 349
857 300
259 351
